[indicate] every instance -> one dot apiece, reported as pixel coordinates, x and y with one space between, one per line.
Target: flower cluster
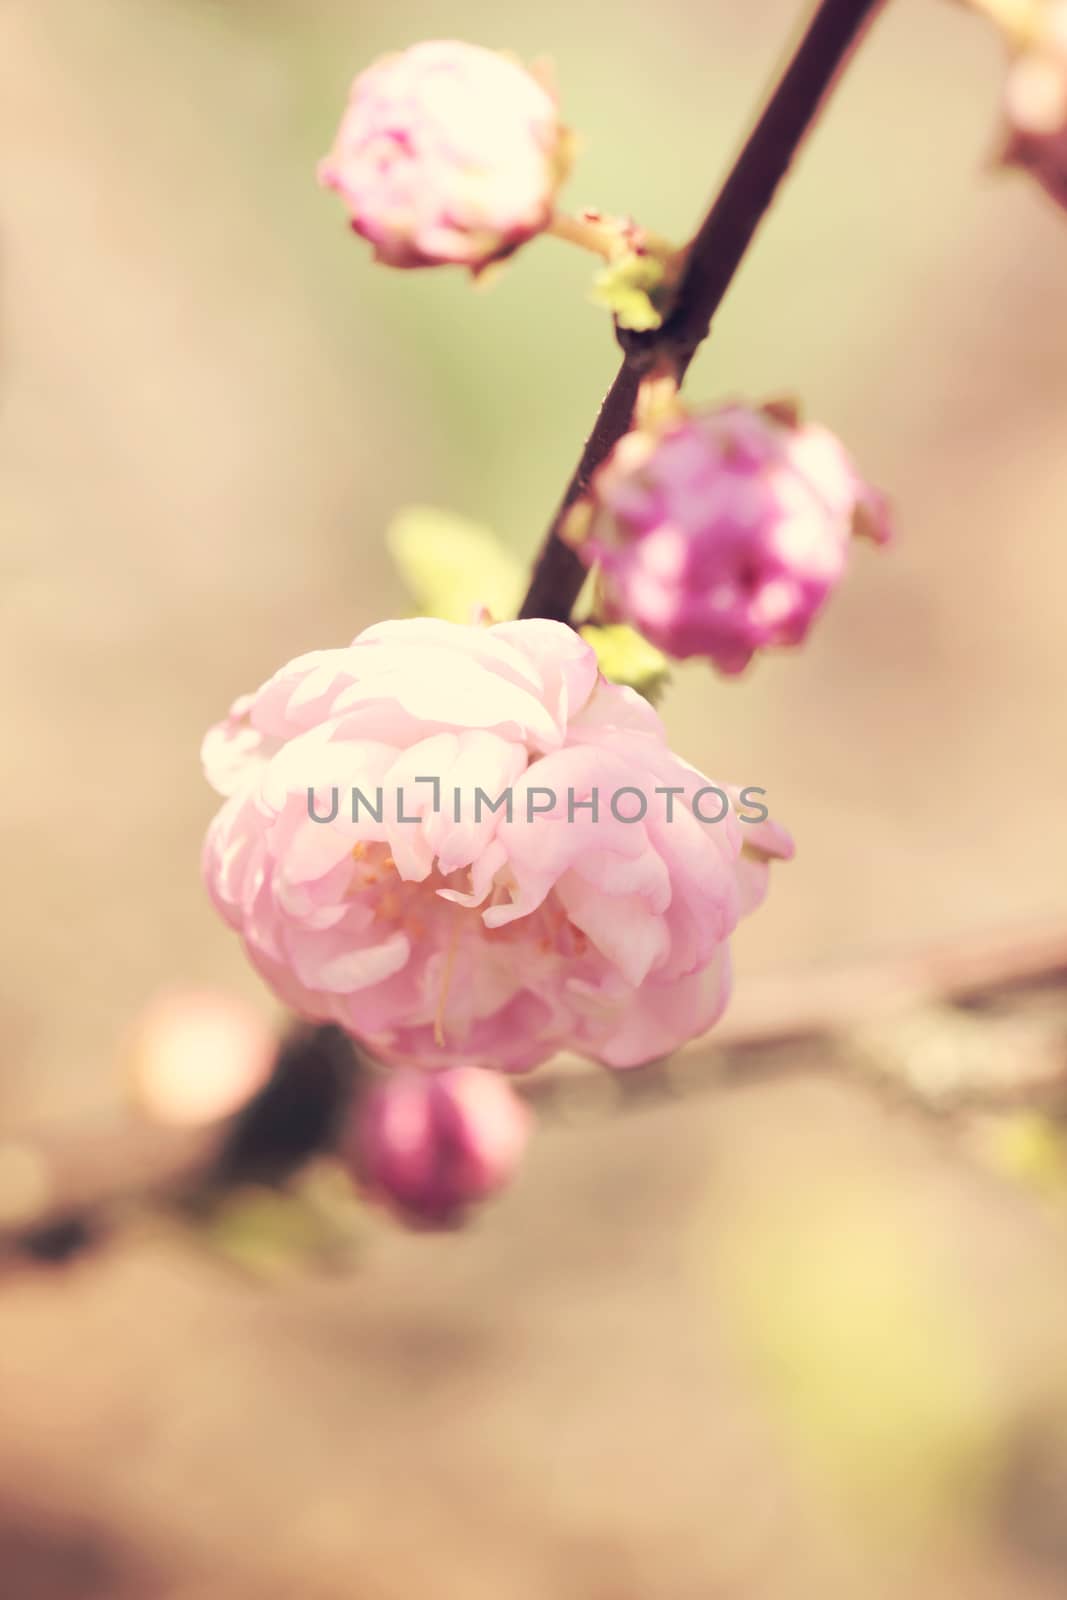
721 533
493 941
448 153
502 881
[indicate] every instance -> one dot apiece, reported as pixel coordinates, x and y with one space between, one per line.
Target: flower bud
1035 102
722 533
431 1144
447 153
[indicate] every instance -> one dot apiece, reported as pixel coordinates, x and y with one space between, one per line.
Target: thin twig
559 574
711 262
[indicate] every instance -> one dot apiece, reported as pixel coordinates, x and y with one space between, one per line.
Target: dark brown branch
727 230
711 260
559 575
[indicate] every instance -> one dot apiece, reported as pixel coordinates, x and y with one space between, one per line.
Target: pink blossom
1035 99
432 1144
722 533
470 936
447 153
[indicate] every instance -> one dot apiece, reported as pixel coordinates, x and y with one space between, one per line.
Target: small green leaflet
625 657
628 288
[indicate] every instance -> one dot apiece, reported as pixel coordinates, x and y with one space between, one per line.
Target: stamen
388 906
450 961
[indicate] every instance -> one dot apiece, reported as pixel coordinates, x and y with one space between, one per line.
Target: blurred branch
837 1016
983 968
710 262
61 1193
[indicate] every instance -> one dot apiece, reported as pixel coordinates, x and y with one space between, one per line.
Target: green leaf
315 1224
629 288
452 567
626 657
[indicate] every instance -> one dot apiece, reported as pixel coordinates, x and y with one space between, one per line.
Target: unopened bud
432 1144
448 153
722 533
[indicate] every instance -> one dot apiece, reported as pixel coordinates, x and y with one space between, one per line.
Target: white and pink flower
444 933
447 153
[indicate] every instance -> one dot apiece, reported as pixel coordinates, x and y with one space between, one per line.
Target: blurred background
777 1340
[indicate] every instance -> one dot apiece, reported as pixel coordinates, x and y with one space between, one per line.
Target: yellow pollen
388 906
359 850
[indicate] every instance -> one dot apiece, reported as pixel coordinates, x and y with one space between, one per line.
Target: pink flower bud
723 533
431 1144
1035 102
447 153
